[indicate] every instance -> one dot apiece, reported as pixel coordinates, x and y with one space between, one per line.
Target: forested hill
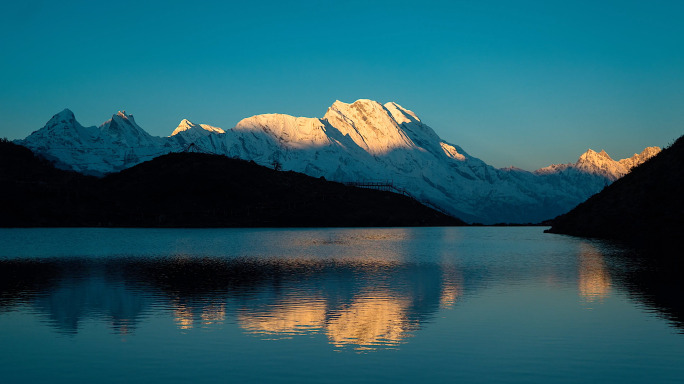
645 206
193 190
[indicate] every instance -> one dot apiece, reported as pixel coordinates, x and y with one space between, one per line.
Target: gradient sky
524 83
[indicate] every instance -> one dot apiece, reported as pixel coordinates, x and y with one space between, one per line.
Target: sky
514 83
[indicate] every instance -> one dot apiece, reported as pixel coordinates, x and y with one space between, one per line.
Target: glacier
357 142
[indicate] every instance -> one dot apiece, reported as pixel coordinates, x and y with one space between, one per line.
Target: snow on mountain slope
352 142
188 132
369 125
600 163
639 158
368 141
117 144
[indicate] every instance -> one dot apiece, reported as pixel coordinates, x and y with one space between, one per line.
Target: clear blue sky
524 83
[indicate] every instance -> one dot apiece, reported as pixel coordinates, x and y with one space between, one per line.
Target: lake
351 305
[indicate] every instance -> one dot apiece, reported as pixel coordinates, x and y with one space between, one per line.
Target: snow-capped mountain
190 132
117 144
362 141
600 163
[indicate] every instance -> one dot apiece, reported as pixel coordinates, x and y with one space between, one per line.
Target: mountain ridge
193 190
644 207
364 140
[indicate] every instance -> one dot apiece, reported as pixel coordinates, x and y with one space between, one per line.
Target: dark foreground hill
193 190
646 206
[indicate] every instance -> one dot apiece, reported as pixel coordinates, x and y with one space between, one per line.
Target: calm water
494 305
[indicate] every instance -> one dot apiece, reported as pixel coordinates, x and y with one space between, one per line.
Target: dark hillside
34 193
193 190
645 206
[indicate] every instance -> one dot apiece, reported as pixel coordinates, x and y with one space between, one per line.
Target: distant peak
650 151
365 101
66 111
64 116
358 103
122 114
591 154
593 158
186 125
183 126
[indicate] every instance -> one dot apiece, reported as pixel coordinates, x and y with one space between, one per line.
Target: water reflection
183 316
452 286
652 277
594 279
373 319
360 305
365 297
288 317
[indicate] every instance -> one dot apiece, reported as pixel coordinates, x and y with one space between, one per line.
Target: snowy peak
184 125
369 124
123 115
591 157
120 121
63 117
604 155
62 124
123 129
600 163
639 158
190 129
61 130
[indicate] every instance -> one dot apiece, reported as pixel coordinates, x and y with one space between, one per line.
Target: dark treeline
192 190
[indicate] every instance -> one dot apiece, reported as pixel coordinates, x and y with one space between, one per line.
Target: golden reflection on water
378 313
594 280
451 286
291 316
373 319
183 316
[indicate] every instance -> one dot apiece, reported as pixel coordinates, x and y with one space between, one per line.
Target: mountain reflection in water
361 302
363 305
594 279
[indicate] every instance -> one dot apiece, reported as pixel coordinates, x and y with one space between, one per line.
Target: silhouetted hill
34 193
193 190
645 206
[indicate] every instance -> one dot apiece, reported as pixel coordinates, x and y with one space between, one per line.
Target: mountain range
358 142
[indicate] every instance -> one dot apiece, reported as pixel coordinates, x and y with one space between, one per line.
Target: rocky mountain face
362 141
